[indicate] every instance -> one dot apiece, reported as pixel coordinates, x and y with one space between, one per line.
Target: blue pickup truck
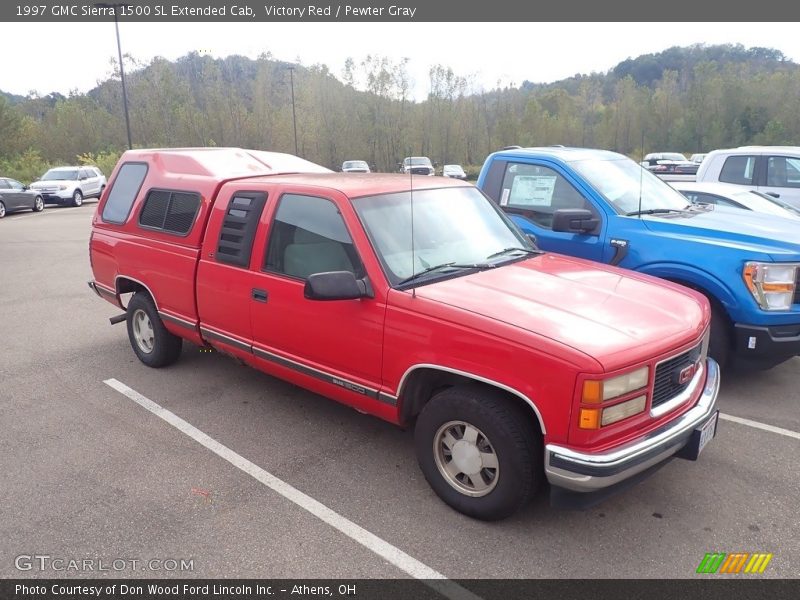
603 206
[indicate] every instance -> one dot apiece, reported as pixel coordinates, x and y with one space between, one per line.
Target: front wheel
77 198
150 340
478 452
38 204
2 210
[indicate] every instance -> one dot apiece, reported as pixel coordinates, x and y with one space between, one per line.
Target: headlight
595 391
772 284
62 187
598 391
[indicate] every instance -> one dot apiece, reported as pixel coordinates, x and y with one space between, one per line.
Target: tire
102 189
153 344
38 204
77 198
2 210
719 346
499 466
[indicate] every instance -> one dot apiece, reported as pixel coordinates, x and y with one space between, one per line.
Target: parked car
355 166
698 158
513 365
774 170
15 196
417 165
454 171
603 206
724 194
70 185
669 163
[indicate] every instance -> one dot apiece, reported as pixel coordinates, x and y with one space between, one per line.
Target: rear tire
153 344
478 451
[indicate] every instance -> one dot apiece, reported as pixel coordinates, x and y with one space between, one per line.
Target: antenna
641 175
411 202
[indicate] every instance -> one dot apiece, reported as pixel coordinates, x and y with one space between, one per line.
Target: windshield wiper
513 249
448 265
654 211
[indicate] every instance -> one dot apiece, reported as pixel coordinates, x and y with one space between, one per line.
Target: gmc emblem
685 375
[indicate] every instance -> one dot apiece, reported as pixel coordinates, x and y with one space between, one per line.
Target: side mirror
574 220
336 285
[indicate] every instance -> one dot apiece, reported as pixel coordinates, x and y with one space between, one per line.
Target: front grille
420 170
666 385
797 289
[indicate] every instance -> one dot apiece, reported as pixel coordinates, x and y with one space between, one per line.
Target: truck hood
777 237
616 317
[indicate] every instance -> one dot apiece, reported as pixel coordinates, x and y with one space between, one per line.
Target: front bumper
55 198
584 473
767 345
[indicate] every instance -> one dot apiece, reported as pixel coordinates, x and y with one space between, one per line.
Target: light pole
116 7
294 115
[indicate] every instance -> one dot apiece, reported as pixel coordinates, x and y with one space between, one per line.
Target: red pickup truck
414 299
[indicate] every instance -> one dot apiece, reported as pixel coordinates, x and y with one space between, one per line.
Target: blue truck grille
666 385
797 289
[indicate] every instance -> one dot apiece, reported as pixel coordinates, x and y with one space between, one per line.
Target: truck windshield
455 229
419 161
623 182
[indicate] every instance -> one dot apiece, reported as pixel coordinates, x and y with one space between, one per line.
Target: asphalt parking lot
88 473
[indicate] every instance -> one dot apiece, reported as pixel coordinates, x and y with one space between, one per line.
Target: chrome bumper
584 472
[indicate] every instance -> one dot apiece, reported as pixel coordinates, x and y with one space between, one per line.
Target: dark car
669 163
15 196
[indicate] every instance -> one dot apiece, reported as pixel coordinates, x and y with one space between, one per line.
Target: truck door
532 193
338 342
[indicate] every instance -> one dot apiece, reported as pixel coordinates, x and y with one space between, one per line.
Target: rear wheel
38 204
478 452
150 340
77 198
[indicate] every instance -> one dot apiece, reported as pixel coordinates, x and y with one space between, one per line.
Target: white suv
70 185
773 170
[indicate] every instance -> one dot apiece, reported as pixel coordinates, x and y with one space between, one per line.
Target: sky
509 53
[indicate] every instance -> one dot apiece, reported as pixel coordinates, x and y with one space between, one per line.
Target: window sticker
532 190
504 197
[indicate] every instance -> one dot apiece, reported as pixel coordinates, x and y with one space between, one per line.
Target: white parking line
382 548
762 426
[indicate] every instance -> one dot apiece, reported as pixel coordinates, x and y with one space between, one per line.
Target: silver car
15 196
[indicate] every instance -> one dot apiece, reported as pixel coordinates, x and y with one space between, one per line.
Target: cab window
538 191
309 236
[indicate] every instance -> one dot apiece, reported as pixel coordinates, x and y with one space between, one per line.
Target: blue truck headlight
772 284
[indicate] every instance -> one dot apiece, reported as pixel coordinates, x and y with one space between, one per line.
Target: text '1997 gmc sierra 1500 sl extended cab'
515 365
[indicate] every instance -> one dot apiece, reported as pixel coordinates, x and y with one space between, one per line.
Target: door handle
259 295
